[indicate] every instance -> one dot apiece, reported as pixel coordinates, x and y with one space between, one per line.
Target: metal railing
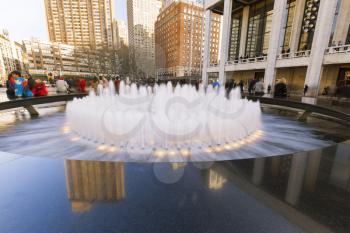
302 106
338 49
297 54
18 103
247 60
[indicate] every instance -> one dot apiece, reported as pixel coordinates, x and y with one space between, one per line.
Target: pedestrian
61 85
251 86
281 89
10 85
39 88
306 88
82 85
100 87
216 84
117 84
259 88
19 88
28 85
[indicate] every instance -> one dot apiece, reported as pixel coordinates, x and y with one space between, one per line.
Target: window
236 26
331 42
288 25
259 28
309 24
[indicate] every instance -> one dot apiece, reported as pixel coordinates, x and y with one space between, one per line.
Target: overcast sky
26 18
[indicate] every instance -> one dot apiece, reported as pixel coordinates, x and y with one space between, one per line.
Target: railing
297 54
247 60
310 108
214 64
338 49
28 103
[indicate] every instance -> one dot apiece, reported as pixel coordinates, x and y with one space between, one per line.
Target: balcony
214 67
337 55
296 59
251 63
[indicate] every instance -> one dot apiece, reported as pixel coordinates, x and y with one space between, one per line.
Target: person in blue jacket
19 88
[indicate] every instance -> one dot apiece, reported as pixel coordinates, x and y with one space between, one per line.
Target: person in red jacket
40 88
82 85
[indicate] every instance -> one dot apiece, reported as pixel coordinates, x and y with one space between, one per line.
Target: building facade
179 40
82 23
57 59
142 15
304 41
11 56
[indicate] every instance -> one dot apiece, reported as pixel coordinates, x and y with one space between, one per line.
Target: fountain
164 118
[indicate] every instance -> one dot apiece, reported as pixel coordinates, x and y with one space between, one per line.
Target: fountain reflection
89 182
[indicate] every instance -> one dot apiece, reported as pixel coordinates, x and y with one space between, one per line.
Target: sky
26 18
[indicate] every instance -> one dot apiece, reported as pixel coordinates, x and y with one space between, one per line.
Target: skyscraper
121 31
82 23
142 15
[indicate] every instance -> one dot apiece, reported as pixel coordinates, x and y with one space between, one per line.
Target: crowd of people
24 86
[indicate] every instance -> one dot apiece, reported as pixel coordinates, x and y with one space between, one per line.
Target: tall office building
179 40
142 15
121 31
82 23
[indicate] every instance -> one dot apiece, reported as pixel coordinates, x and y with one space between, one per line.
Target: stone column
278 12
244 31
225 40
297 24
206 50
343 22
296 177
319 44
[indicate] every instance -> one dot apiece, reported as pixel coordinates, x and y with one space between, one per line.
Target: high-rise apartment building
82 23
179 40
305 42
142 15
